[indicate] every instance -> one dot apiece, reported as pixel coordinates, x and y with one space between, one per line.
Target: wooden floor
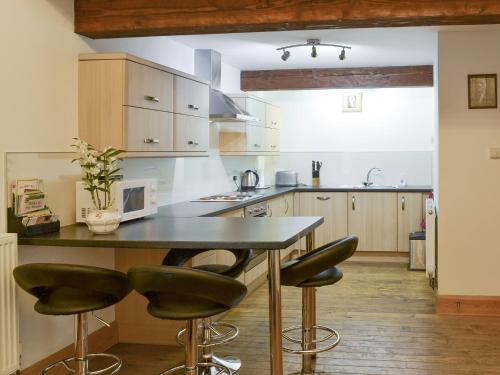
385 315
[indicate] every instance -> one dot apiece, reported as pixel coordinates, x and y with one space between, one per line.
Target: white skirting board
9 326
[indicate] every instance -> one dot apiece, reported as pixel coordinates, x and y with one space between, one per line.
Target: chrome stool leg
82 356
308 340
231 362
211 334
191 365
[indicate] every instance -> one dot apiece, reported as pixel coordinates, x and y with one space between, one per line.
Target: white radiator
9 336
430 241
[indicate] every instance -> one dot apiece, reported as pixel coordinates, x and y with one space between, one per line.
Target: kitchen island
163 232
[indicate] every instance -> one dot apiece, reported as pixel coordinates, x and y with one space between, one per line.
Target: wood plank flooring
385 316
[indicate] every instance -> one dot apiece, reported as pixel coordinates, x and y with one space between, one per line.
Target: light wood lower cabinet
373 218
333 207
282 206
409 217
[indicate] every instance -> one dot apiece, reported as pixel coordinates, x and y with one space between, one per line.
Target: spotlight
342 55
285 56
313 52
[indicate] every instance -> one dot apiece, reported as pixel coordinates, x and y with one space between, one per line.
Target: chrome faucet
368 175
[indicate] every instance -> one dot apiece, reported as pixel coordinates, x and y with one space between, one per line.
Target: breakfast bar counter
161 232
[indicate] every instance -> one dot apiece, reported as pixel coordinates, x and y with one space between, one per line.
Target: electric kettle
249 180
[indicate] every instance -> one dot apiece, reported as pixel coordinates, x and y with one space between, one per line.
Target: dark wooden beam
124 18
343 78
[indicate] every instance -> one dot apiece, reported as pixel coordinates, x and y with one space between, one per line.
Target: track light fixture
314 53
285 56
342 55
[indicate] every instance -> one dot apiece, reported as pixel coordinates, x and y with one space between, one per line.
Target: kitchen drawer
272 137
255 138
191 97
273 116
190 133
147 87
148 130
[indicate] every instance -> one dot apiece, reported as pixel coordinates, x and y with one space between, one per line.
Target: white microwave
134 199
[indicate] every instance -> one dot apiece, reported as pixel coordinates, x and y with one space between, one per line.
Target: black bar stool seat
314 269
181 293
213 333
67 289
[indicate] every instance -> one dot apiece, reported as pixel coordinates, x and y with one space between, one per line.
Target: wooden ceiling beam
337 78
126 18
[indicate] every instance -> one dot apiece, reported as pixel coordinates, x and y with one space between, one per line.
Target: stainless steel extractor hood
207 65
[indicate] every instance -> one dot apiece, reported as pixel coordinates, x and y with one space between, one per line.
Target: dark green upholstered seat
67 289
180 293
179 257
318 267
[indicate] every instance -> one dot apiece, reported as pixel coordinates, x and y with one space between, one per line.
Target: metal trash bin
416 261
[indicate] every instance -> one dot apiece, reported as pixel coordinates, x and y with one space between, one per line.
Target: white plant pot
103 221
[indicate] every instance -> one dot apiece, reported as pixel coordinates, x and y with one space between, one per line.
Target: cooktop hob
229 197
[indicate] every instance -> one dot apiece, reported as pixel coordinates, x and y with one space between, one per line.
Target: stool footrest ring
223 370
112 369
330 334
218 337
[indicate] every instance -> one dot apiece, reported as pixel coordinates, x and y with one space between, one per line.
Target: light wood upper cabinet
255 138
148 130
128 103
191 97
372 217
148 87
333 207
273 116
409 217
272 139
190 133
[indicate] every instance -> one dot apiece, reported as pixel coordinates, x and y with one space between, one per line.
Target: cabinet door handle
193 143
403 203
151 140
274 146
256 145
323 198
270 211
287 206
193 107
152 98
353 200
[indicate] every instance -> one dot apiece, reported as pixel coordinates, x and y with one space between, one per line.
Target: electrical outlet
494 153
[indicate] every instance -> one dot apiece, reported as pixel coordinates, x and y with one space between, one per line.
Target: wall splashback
348 168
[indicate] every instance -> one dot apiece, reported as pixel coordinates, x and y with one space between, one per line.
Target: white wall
393 119
394 132
469 182
38 113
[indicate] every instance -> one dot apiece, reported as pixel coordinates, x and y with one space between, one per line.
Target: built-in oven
256 210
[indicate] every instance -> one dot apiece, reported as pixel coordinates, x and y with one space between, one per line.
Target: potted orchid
99 172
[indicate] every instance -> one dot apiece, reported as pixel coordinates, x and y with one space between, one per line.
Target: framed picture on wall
353 102
482 91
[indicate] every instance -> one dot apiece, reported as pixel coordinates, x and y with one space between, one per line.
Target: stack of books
29 203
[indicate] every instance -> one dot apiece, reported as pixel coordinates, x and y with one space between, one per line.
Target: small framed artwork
353 102
482 91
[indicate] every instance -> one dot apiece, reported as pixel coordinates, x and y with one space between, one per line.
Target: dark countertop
160 232
204 209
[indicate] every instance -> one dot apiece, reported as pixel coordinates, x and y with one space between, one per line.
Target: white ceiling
370 47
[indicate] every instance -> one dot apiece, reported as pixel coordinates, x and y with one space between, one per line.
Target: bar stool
180 293
309 271
211 333
66 289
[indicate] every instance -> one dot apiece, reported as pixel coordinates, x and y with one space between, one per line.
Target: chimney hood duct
207 65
